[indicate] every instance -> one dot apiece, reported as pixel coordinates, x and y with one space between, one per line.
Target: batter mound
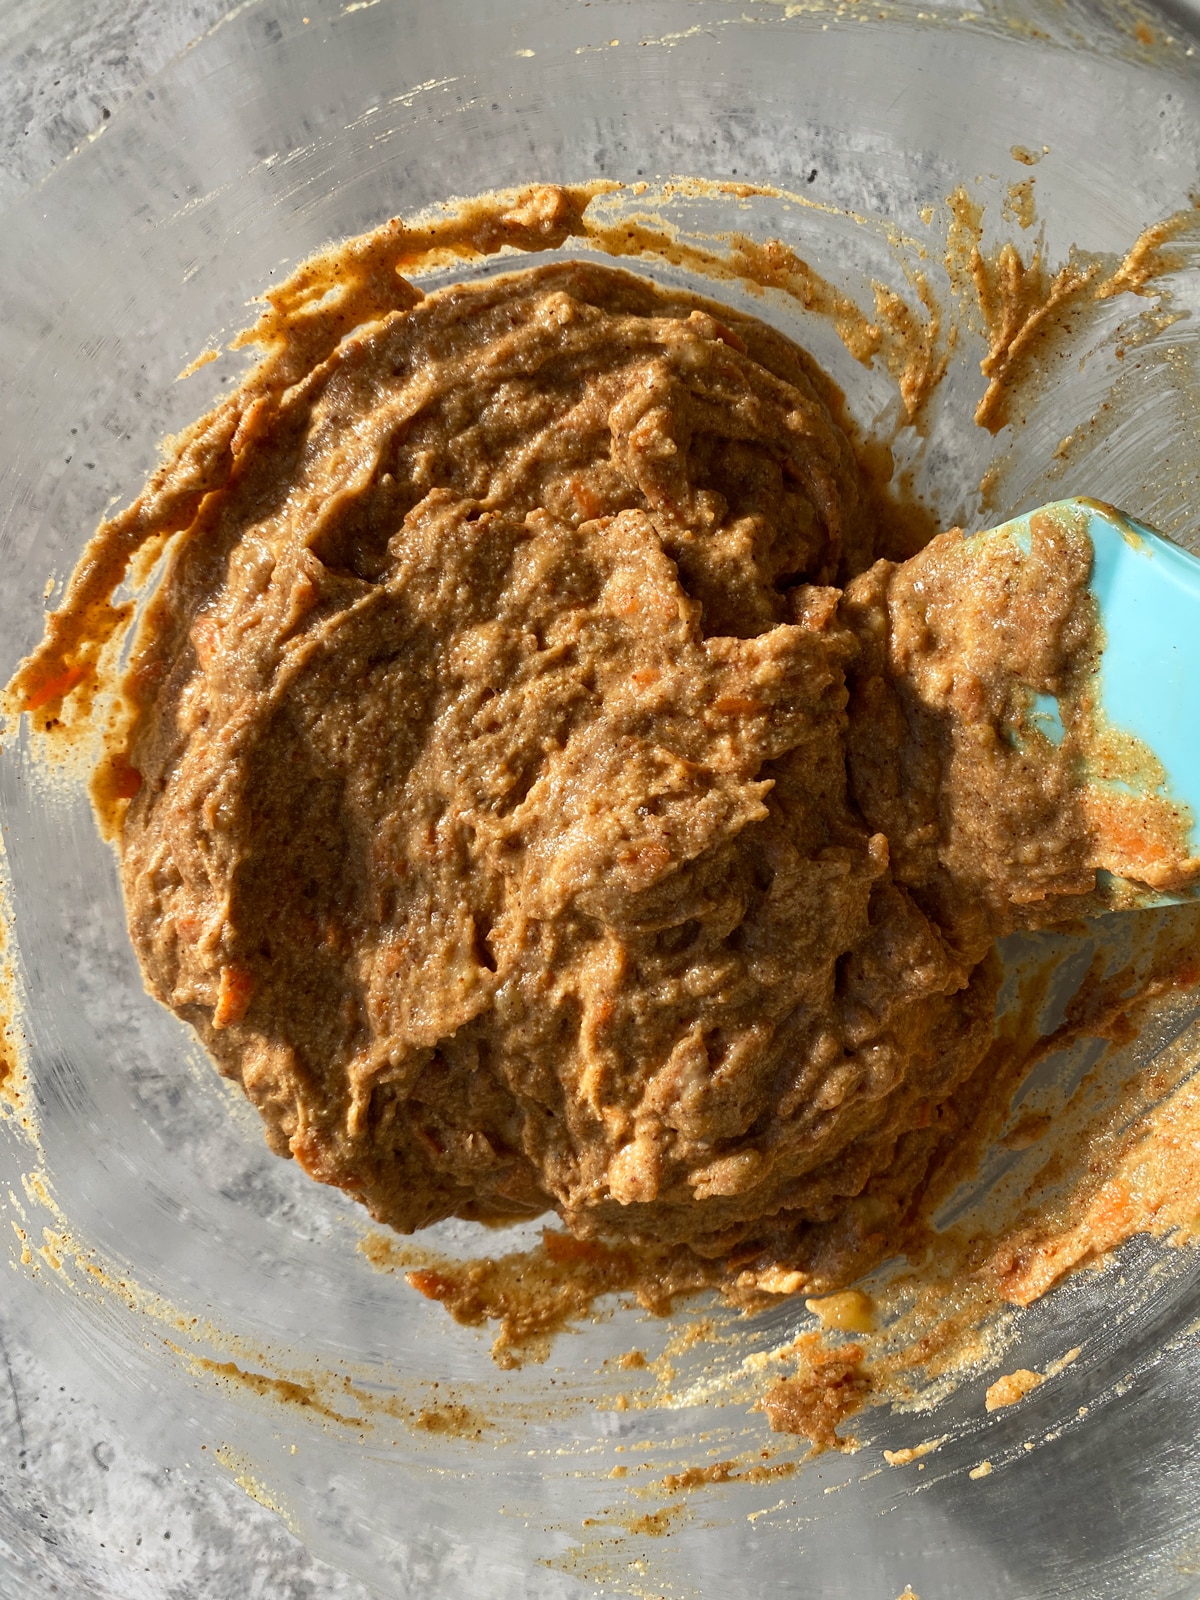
525 813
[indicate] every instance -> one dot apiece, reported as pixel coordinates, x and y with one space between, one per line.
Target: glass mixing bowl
210 1302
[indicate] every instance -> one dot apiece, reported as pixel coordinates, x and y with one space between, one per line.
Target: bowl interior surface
290 126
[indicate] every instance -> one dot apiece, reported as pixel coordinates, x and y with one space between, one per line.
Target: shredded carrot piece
56 687
233 996
737 705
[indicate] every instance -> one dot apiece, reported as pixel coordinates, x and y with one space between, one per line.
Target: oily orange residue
114 781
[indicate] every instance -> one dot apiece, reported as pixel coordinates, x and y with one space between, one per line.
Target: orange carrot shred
54 688
233 996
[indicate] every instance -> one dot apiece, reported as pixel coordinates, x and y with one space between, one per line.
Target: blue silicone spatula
1147 592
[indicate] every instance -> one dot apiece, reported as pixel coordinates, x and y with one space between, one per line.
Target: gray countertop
66 67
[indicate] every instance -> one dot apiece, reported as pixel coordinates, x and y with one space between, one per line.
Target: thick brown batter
523 813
